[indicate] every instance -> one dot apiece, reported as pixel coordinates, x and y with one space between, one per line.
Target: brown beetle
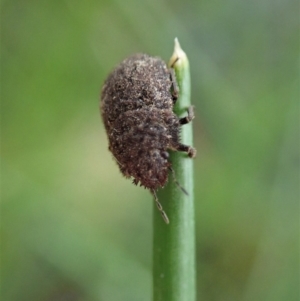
137 110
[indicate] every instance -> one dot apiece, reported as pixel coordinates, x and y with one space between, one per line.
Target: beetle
137 101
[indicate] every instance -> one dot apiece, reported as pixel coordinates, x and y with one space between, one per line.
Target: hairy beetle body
137 111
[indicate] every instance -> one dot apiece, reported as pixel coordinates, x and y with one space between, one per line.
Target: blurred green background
72 228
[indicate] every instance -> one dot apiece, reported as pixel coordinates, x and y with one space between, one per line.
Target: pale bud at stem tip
178 57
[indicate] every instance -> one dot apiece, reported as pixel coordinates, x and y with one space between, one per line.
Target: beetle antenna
176 182
160 208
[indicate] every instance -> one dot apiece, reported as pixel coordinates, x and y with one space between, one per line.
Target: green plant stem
174 244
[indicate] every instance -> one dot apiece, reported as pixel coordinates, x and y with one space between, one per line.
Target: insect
136 105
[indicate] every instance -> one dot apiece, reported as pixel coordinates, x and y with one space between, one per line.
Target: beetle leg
160 208
176 182
175 87
189 117
188 149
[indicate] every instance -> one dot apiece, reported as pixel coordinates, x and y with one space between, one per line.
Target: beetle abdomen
139 141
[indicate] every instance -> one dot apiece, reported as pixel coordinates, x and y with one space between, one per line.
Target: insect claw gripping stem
187 149
160 208
189 117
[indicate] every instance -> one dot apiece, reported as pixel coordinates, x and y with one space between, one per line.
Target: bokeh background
72 228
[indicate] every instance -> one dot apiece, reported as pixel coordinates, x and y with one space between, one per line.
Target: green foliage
71 226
